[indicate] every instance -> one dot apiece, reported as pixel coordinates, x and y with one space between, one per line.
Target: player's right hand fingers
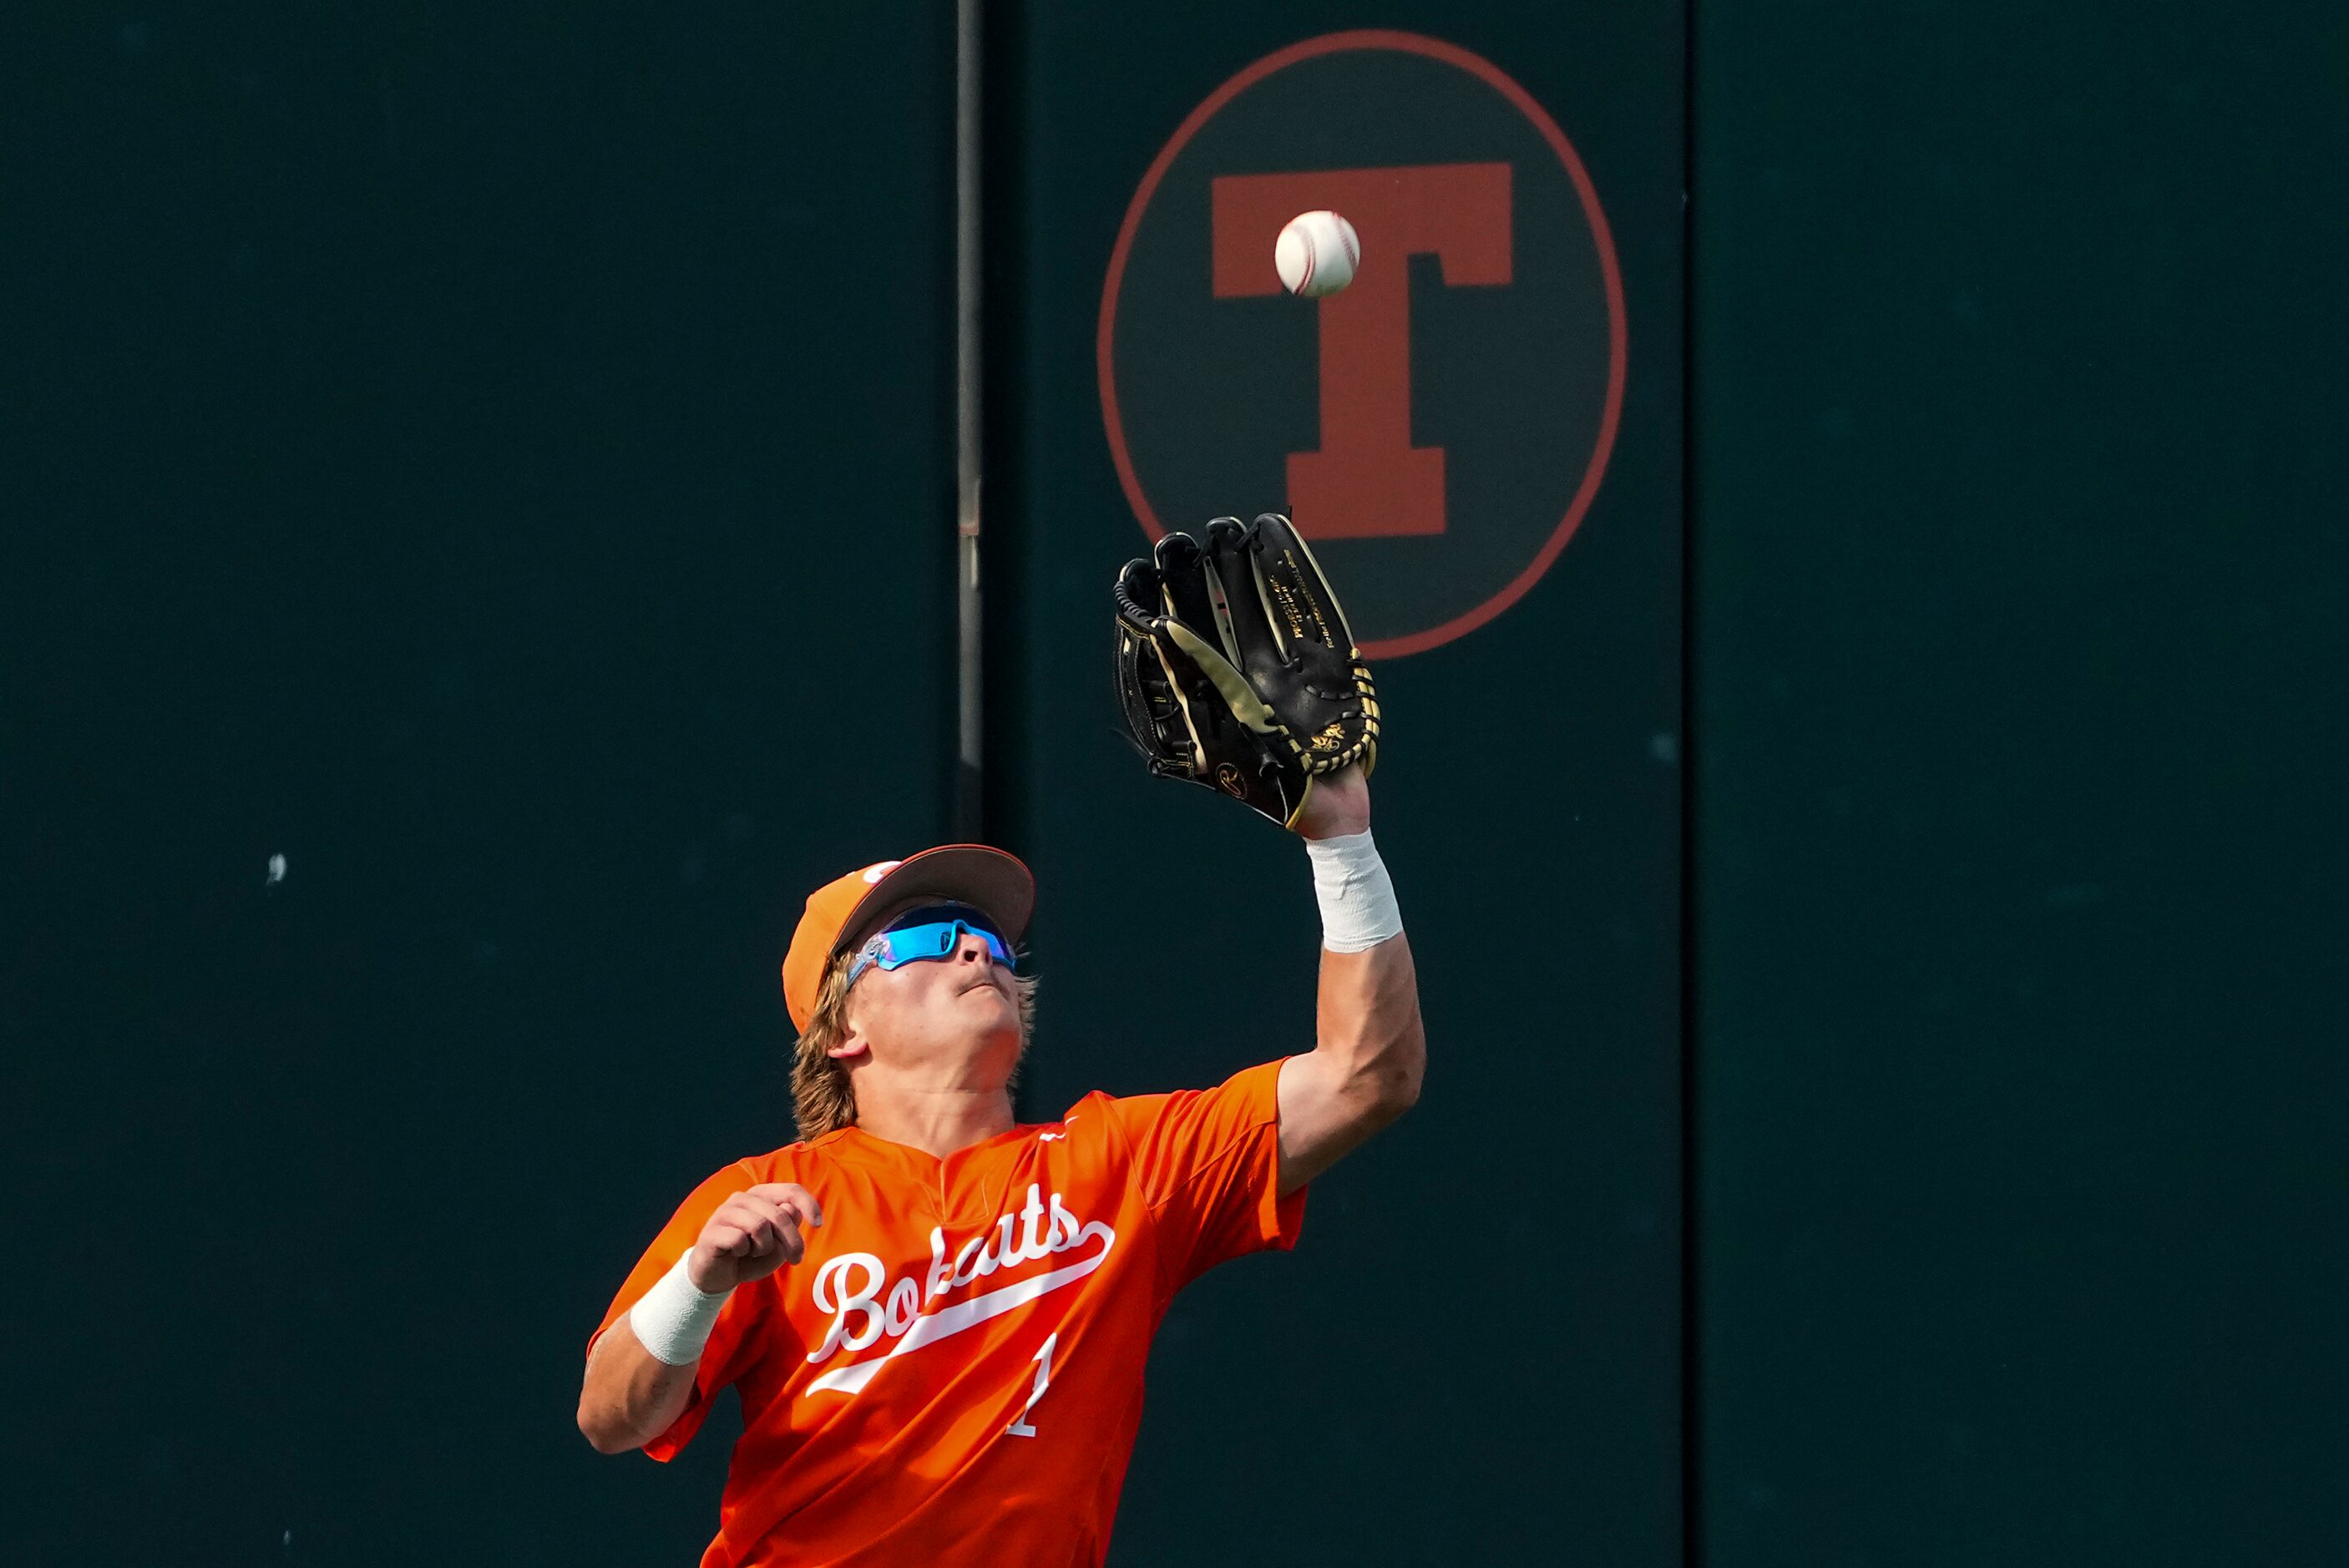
782 1235
776 1223
794 1197
778 1202
727 1240
785 1229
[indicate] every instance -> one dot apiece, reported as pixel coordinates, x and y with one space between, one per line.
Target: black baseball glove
1236 669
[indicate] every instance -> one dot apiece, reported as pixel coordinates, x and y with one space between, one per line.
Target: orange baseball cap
838 911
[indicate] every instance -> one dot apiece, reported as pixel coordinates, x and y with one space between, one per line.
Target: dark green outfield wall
2020 426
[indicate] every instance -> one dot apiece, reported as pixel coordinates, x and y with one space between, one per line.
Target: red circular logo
1439 427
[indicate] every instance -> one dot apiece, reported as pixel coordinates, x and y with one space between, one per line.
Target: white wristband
1358 900
674 1318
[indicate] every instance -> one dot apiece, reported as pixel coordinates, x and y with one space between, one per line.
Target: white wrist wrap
1358 900
673 1319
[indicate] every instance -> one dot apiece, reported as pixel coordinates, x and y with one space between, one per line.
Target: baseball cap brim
988 880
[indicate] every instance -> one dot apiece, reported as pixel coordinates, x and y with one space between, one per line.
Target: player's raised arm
1236 670
1369 1046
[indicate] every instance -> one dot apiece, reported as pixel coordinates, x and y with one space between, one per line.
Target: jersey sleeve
1208 1162
733 1340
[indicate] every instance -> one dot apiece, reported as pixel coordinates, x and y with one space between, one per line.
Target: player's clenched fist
751 1236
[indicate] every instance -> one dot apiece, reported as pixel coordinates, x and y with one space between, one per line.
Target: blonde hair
823 1099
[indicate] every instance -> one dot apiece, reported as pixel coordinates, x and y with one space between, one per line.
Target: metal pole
968 774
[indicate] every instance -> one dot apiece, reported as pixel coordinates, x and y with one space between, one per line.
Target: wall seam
1692 1552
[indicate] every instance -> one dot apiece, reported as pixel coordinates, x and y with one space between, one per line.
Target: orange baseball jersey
952 1374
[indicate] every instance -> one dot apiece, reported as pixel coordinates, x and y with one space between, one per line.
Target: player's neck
938 1121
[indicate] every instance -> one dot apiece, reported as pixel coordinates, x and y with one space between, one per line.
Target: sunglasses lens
931 933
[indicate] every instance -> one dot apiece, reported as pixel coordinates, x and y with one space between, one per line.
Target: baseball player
938 1317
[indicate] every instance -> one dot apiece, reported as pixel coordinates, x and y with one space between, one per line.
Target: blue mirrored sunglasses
928 934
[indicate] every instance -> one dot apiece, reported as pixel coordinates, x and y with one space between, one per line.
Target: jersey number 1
1021 1428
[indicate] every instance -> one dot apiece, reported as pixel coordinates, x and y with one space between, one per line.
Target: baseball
1317 254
